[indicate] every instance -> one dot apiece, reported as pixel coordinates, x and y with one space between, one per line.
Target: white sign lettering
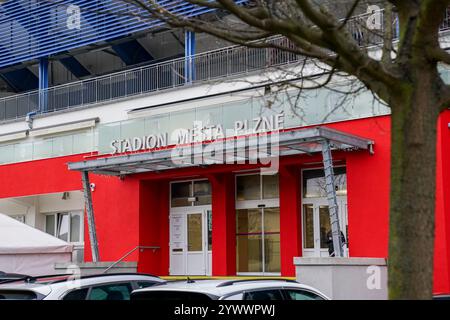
74 17
199 133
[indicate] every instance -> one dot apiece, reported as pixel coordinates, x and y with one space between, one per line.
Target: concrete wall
345 278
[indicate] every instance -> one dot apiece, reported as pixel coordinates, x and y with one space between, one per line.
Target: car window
238 296
17 295
116 291
273 294
79 294
293 294
145 284
169 296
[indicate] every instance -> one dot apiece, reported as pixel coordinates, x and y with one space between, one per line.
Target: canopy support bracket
331 197
90 215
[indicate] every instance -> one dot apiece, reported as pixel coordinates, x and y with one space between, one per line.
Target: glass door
317 228
258 240
191 242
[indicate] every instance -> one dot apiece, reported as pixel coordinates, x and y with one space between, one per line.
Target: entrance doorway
190 228
257 225
315 214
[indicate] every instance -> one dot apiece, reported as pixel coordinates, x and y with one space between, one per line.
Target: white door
316 226
190 241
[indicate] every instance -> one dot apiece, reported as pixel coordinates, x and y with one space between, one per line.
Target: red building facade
135 210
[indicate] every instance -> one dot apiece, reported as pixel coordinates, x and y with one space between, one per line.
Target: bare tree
405 76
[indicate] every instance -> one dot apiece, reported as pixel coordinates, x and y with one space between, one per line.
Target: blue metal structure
75 67
43 84
20 79
31 29
189 51
132 52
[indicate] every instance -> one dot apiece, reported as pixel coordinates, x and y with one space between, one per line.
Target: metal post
90 215
43 84
189 52
331 197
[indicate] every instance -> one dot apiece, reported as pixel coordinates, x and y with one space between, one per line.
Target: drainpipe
43 86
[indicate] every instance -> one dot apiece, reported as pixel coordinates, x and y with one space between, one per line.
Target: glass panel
83 142
249 253
236 111
132 128
106 134
62 146
23 152
75 227
111 292
270 186
194 224
264 295
181 191
248 221
325 226
314 183
301 295
272 220
308 226
77 294
202 190
63 226
272 253
7 154
209 218
50 224
248 187
42 149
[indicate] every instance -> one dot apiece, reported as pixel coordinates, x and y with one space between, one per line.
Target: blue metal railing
225 62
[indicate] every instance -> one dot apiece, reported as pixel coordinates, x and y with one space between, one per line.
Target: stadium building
140 142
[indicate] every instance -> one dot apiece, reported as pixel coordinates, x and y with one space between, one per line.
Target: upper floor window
188 193
256 187
314 183
67 226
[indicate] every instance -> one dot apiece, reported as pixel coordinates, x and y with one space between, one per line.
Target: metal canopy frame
287 143
242 149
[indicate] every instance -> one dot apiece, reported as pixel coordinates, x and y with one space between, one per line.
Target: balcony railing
213 65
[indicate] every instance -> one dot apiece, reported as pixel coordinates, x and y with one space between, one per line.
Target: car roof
45 284
218 287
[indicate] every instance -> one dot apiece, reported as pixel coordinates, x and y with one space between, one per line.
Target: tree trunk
413 178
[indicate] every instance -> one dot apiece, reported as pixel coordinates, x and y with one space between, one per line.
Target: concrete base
90 268
345 278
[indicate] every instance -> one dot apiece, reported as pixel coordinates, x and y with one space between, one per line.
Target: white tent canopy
26 250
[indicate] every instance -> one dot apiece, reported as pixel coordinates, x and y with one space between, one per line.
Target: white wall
36 207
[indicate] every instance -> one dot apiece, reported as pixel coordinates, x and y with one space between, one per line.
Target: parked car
65 287
259 289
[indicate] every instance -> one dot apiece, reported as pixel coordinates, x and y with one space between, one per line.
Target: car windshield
17 295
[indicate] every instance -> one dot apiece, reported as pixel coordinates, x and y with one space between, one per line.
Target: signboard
198 133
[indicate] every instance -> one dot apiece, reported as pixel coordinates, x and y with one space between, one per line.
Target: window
67 226
116 291
17 295
144 284
238 296
292 294
256 187
274 294
314 183
77 294
182 191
